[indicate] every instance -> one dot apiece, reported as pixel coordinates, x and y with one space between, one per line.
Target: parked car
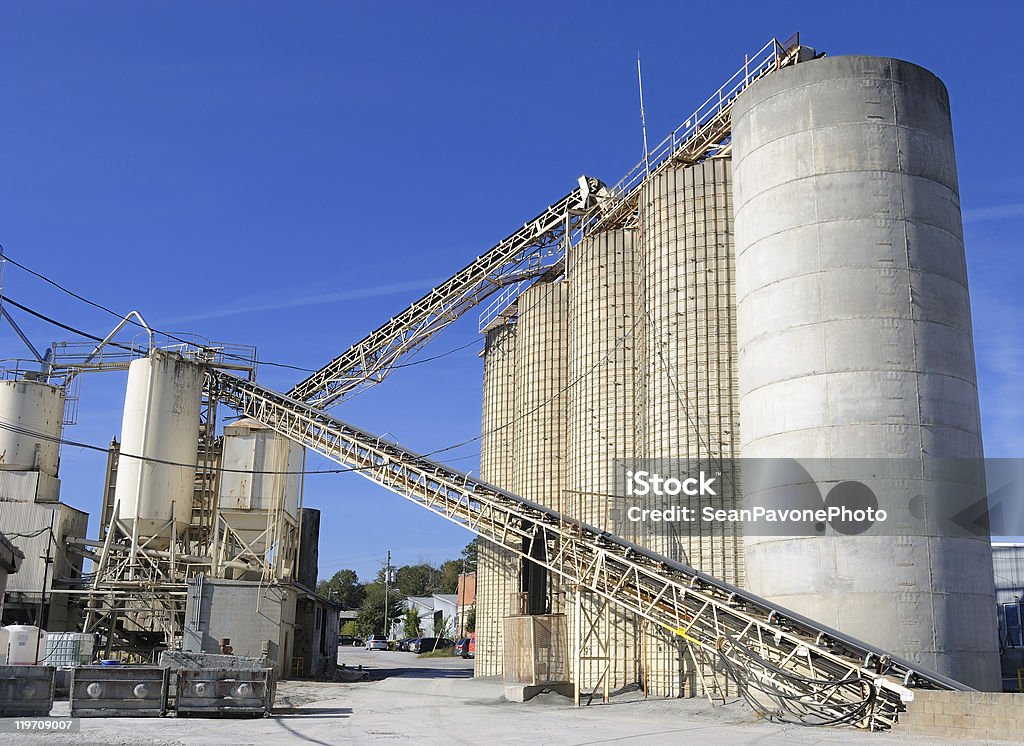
427 644
350 640
462 647
405 644
471 649
377 642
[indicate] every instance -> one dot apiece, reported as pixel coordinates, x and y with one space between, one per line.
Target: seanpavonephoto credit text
708 514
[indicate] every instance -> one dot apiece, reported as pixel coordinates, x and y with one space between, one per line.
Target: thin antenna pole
643 115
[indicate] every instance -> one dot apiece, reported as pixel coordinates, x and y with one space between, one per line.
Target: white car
377 642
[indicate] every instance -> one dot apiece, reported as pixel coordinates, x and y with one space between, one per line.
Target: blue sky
289 175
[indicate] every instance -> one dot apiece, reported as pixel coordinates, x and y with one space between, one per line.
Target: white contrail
995 212
306 300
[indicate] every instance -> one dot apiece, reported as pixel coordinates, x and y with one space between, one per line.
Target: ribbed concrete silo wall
688 401
497 568
855 342
603 332
542 370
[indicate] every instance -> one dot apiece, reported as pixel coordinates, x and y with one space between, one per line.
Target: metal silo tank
161 425
37 410
604 330
855 342
261 481
497 568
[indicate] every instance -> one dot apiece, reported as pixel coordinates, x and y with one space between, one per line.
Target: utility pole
387 579
462 601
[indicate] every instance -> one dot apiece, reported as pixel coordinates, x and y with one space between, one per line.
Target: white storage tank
160 425
261 480
35 407
26 644
262 469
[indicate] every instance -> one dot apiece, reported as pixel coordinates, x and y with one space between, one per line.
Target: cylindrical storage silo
539 458
855 342
604 330
688 405
497 568
159 443
687 398
36 410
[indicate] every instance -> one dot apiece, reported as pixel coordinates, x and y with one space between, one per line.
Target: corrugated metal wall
19 521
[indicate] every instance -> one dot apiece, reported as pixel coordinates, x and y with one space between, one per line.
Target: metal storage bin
207 691
119 691
26 691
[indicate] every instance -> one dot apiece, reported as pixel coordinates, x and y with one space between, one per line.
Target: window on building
1012 625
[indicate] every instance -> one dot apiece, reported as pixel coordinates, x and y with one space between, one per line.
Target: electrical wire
627 334
170 335
10 427
619 342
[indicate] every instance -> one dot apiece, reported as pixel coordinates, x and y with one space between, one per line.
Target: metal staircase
786 665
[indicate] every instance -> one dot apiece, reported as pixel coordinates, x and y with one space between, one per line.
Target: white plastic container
26 645
68 649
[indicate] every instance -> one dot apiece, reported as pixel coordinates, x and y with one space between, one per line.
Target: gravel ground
413 700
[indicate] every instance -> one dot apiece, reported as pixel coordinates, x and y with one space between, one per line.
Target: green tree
371 614
443 626
471 620
411 623
344 588
351 627
470 554
417 580
449 580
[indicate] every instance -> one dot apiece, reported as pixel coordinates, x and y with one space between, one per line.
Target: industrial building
1008 566
201 532
10 561
33 516
799 294
782 278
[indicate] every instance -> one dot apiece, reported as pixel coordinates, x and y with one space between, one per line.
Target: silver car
376 642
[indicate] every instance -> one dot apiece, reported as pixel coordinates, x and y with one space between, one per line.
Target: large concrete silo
604 327
542 370
687 398
497 568
688 404
855 342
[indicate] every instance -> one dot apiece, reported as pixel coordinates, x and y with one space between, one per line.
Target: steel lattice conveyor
762 646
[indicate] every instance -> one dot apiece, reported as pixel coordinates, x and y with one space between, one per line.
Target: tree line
422 579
